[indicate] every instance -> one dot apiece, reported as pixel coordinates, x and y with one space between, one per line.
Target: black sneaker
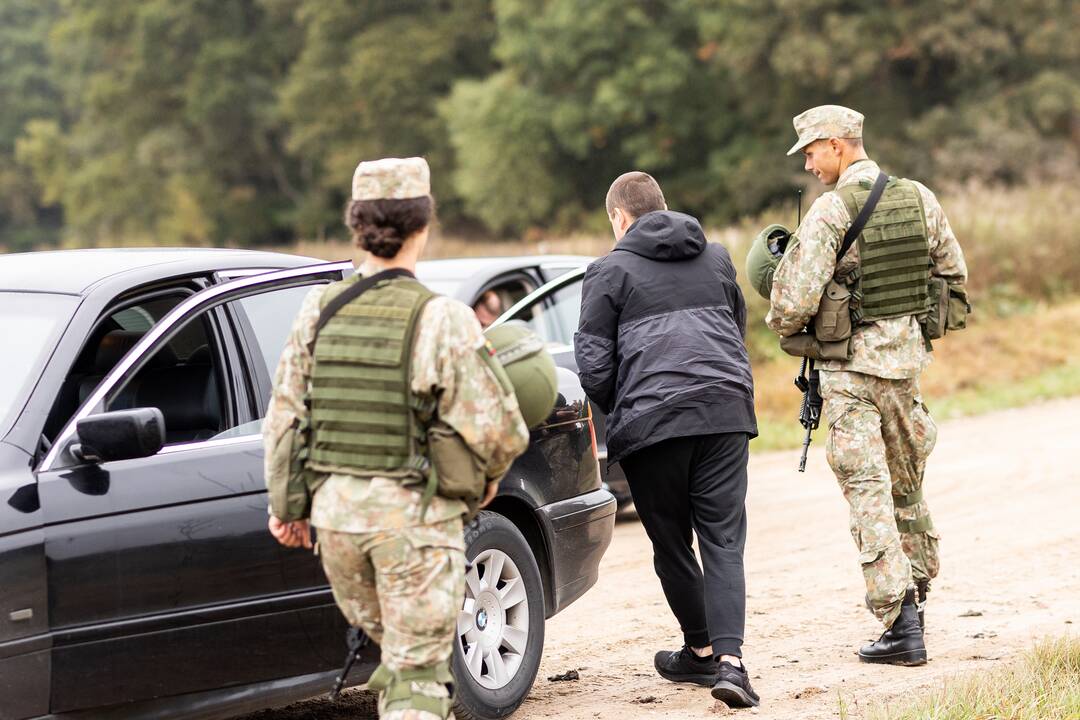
733 687
685 666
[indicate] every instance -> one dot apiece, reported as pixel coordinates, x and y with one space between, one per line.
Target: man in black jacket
660 349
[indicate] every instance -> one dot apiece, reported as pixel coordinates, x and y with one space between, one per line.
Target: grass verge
1043 685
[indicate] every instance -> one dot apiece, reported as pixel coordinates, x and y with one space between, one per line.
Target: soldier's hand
291 534
490 491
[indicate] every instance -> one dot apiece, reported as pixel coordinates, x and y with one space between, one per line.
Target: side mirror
119 435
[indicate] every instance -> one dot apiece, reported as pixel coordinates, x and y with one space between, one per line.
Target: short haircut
635 193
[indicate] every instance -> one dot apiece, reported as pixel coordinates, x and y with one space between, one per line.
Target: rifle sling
864 215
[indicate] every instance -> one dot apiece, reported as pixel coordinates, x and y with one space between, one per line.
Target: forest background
239 123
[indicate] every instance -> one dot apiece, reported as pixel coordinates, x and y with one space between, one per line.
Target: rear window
30 324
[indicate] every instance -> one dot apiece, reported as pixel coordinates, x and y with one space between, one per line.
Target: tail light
592 430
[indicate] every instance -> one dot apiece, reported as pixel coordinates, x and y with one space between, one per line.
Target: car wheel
500 630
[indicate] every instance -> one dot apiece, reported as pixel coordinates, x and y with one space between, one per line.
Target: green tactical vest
363 413
894 253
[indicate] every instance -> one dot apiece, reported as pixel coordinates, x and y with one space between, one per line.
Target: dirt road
1004 490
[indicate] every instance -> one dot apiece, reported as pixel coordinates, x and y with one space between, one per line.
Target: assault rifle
809 383
356 640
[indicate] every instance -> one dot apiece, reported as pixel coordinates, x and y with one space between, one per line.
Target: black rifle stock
356 640
809 383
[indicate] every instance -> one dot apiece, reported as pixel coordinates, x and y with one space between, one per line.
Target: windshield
30 324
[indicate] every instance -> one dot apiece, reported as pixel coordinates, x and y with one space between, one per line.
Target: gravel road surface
1004 490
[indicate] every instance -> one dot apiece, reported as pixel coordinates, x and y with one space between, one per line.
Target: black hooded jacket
660 344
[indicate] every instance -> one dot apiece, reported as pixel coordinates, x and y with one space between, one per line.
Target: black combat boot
902 644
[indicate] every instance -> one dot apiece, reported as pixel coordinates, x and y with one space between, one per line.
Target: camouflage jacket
445 367
892 348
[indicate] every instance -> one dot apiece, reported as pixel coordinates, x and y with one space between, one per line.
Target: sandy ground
1004 490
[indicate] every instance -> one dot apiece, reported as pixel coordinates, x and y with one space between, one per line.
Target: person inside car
488 308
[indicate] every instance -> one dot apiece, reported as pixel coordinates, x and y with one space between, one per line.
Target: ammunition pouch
832 323
948 309
935 322
397 693
292 501
459 473
959 308
805 345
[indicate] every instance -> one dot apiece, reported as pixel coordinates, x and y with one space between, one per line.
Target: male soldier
391 355
880 433
660 349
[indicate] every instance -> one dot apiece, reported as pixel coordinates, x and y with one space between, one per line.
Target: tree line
240 122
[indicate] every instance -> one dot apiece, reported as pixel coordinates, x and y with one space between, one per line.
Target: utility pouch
833 320
936 321
805 345
459 473
291 500
959 308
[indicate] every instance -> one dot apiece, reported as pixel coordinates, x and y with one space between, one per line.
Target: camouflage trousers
405 588
880 435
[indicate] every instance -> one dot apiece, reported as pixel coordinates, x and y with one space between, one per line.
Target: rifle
809 384
356 640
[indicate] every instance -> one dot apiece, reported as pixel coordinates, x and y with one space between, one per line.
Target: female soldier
377 376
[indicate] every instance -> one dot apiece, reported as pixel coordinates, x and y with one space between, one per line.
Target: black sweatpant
697 483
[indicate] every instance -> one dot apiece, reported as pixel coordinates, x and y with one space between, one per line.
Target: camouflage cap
391 179
826 121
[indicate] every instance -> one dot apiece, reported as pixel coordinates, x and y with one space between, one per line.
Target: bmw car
138 577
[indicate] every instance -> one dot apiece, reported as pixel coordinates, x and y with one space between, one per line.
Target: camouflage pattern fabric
880 435
824 122
391 179
405 588
400 579
446 366
892 348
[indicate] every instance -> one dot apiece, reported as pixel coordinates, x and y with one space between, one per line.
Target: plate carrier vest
364 416
894 253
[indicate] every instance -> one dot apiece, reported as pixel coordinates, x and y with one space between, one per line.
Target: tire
500 630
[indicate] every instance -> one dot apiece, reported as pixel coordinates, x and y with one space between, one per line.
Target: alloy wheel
493 626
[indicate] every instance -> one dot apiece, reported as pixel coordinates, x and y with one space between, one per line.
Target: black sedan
138 577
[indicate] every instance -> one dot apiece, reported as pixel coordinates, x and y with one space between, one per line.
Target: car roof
470 275
462 268
75 272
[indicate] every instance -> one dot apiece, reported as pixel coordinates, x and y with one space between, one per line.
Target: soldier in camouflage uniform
394 557
880 432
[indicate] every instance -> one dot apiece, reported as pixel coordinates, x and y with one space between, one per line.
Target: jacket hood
664 235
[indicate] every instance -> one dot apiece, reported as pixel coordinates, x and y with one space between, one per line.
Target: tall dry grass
1022 247
1042 685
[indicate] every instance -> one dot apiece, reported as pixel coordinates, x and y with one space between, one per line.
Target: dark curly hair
382 226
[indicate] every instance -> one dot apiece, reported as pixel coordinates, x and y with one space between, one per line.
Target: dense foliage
152 121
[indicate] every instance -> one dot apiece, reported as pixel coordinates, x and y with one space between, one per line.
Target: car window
499 297
112 337
30 324
271 316
184 379
554 317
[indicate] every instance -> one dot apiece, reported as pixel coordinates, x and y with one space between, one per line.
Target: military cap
391 179
826 121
